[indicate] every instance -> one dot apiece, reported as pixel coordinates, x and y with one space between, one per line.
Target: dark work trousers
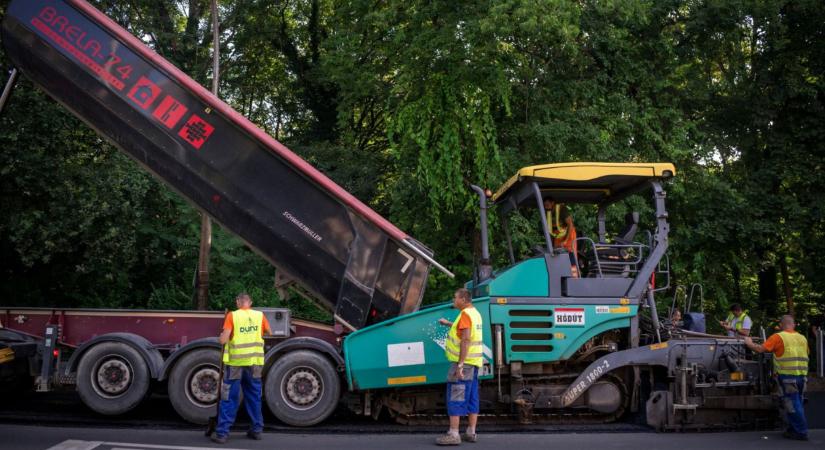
792 387
237 379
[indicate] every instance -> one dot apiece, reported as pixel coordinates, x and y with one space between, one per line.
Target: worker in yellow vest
243 358
464 349
790 352
560 225
562 230
738 323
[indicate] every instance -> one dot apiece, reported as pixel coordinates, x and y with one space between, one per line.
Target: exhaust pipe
485 269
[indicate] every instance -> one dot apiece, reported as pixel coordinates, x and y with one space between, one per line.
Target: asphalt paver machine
579 338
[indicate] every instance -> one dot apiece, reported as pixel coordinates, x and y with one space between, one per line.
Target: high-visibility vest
794 360
452 347
739 320
246 348
555 227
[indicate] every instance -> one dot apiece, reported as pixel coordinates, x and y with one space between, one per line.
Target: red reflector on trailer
56 353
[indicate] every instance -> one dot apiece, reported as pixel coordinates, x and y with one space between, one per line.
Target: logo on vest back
249 329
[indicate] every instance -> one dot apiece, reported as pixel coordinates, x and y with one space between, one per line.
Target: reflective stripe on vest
739 320
246 348
556 229
452 347
794 360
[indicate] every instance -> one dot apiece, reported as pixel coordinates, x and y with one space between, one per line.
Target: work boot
449 439
218 439
794 436
467 437
253 435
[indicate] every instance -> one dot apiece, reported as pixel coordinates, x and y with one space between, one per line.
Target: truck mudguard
305 343
355 262
153 358
207 342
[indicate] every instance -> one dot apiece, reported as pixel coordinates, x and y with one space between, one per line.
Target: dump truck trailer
572 337
324 243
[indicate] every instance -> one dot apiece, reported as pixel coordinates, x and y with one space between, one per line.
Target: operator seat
631 226
611 257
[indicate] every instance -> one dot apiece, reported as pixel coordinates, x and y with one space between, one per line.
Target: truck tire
193 385
112 378
302 388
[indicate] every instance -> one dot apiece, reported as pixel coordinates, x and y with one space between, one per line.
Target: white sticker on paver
405 354
569 317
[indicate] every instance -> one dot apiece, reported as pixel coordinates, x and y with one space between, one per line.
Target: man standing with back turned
463 348
243 358
790 356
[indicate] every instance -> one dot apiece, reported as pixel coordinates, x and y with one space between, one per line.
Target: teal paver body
409 350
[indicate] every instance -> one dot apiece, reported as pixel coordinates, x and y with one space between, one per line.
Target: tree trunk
768 294
786 283
202 280
736 273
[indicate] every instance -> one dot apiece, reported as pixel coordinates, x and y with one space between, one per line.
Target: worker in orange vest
790 352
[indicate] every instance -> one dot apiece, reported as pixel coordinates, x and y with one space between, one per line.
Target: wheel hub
203 385
303 387
113 376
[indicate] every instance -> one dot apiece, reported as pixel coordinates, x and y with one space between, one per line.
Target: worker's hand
445 322
459 371
724 325
748 341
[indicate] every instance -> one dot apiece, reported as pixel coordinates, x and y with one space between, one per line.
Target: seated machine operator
561 229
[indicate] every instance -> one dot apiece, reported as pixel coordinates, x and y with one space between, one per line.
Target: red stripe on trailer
217 104
164 329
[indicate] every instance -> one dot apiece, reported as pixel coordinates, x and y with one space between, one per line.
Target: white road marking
73 444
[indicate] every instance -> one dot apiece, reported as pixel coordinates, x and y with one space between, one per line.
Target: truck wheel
112 378
193 385
302 388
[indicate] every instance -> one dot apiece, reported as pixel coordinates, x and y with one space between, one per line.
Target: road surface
25 437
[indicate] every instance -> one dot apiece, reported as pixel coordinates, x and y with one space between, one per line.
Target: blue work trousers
792 387
462 392
236 379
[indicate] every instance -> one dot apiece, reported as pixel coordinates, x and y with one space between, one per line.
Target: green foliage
407 103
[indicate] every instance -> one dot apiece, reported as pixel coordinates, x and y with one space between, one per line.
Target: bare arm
465 345
463 350
224 337
755 347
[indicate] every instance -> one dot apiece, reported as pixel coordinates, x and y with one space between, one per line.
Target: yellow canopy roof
583 182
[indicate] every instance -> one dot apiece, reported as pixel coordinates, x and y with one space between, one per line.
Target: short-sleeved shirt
228 324
464 323
775 345
747 324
